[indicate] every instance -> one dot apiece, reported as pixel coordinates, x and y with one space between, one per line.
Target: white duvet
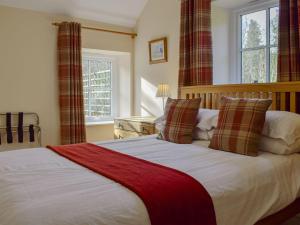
39 187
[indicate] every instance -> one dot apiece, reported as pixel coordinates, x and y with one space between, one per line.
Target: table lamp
163 91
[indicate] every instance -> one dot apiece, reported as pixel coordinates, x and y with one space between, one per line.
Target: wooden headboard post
283 94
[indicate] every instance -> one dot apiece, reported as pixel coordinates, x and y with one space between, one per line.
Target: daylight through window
259 46
97 88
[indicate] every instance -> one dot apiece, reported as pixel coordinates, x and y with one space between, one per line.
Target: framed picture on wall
158 50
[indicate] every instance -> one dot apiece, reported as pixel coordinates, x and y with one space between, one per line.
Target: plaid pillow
240 125
181 119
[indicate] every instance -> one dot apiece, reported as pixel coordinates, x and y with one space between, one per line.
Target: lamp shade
163 90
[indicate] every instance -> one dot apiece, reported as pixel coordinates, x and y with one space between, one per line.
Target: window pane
254 66
85 71
97 88
254 29
274 18
85 66
273 64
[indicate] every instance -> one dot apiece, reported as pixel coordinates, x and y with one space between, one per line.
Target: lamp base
163 100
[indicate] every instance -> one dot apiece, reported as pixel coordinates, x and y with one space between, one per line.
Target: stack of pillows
243 126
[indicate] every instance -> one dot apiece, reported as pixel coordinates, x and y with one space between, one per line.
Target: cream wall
28 74
159 19
221 18
100 133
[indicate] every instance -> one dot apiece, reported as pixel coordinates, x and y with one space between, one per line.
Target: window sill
99 123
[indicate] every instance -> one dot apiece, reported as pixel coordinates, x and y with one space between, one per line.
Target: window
98 88
259 45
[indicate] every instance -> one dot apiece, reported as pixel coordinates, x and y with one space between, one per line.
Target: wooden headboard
283 94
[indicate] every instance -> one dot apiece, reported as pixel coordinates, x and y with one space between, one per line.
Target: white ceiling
230 4
119 12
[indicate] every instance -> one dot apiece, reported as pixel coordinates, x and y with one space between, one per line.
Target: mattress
37 186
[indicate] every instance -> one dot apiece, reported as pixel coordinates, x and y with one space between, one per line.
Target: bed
38 186
285 96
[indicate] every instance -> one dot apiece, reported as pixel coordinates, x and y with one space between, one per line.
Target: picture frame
158 50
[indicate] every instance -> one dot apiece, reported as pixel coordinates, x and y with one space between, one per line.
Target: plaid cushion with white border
181 119
240 125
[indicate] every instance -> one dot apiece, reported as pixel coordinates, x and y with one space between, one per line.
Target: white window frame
251 8
94 55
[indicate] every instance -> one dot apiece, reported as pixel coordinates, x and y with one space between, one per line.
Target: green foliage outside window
259 48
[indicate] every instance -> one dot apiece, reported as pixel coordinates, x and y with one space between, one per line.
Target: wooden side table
134 127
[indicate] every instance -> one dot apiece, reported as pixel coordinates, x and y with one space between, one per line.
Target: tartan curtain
289 43
195 44
72 126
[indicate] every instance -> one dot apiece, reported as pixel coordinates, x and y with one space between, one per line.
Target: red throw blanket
170 196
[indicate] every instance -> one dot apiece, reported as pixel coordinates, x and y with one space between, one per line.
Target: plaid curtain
289 42
195 43
72 125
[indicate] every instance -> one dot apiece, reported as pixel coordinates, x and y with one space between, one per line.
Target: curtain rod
133 35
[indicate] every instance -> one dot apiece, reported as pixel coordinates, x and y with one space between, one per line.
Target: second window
259 45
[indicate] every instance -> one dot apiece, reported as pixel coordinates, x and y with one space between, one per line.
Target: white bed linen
39 187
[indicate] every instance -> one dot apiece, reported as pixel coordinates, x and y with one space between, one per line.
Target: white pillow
281 133
278 146
160 122
199 134
208 119
282 125
278 124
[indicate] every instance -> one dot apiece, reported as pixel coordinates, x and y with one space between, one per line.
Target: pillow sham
282 125
278 146
181 119
240 124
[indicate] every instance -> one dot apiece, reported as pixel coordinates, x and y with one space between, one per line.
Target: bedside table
134 127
